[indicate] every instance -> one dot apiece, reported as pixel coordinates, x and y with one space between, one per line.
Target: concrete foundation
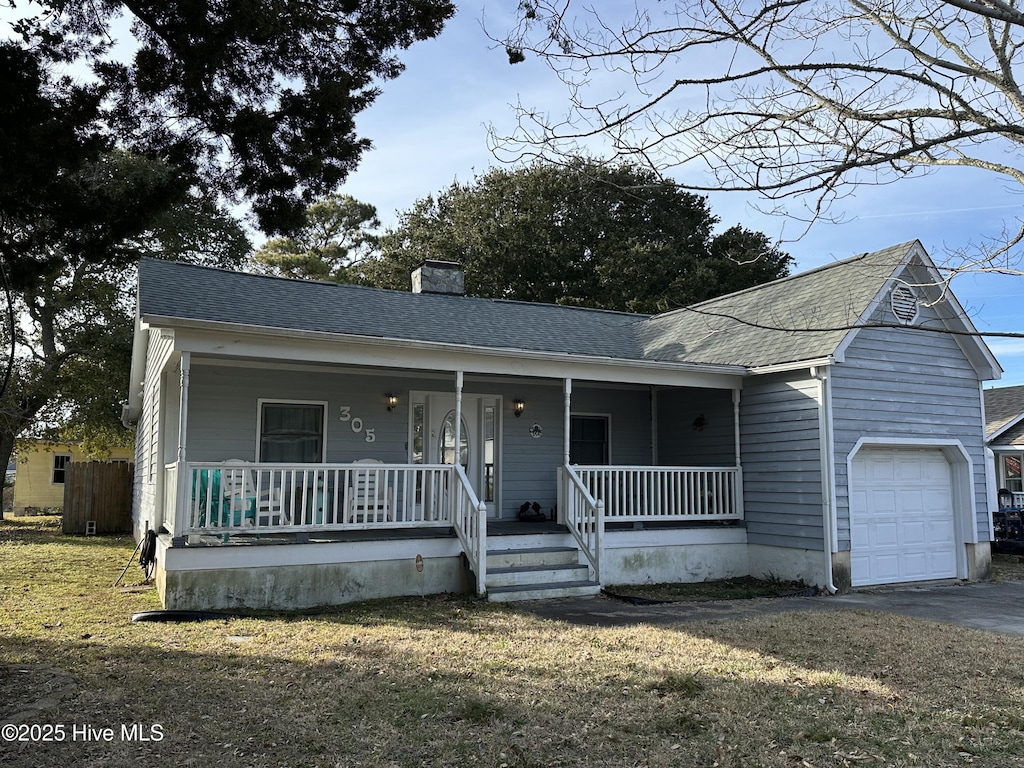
842 571
674 556
293 576
979 561
806 565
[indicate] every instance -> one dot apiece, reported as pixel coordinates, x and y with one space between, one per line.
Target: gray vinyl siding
529 465
781 457
682 445
149 433
630 412
898 383
223 413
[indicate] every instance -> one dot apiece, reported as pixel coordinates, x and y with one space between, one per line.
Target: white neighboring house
297 440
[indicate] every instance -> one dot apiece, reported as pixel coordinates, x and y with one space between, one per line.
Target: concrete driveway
996 607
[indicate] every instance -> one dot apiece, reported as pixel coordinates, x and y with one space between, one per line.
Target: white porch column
186 365
567 389
653 394
736 423
458 417
181 502
739 466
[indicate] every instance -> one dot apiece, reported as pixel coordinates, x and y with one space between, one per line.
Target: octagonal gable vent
904 304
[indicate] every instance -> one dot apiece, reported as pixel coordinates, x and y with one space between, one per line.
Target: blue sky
429 127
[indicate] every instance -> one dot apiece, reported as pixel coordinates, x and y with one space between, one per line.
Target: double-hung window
291 432
588 440
60 469
1011 472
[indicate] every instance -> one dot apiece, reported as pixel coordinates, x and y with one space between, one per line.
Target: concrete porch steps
536 573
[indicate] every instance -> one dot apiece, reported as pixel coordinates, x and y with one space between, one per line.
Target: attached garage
903 521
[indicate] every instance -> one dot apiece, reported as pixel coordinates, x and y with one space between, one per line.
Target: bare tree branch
795 100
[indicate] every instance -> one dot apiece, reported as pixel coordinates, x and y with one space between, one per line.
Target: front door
477 451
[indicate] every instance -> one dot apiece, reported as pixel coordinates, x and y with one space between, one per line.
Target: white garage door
901 517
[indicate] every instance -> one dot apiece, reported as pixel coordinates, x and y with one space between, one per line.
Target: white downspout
827 470
991 483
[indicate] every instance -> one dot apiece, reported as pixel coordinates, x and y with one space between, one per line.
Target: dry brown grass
450 681
1007 568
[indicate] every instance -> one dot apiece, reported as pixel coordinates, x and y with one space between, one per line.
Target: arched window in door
446 446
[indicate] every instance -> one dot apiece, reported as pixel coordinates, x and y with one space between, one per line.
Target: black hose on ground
137 548
147 557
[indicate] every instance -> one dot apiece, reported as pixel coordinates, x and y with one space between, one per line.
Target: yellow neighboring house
42 467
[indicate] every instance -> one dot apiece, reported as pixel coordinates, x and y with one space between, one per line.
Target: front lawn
452 681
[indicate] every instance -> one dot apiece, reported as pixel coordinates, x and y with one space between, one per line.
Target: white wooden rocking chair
369 499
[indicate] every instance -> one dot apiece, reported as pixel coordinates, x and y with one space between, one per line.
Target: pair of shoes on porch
531 512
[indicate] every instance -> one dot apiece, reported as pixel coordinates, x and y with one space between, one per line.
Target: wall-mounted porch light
392 401
518 406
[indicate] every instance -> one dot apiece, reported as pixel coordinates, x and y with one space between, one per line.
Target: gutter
827 468
131 412
798 365
506 352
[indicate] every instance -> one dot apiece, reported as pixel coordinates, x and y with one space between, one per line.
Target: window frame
63 469
607 418
1006 482
261 402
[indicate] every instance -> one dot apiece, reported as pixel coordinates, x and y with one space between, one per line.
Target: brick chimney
444 277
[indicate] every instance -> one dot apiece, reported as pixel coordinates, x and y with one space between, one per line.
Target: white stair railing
469 518
583 515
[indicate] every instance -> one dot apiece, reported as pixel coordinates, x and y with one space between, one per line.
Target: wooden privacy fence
100 491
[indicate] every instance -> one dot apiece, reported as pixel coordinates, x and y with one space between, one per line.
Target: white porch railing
583 515
226 497
170 496
665 493
469 519
237 497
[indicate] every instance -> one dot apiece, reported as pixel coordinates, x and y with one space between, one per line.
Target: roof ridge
227 270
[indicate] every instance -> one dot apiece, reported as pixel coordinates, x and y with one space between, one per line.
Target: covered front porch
297 456
211 502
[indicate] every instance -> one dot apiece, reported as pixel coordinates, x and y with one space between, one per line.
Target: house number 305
356 423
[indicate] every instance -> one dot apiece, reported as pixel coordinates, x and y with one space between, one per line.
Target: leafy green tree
115 147
335 239
73 336
56 153
582 233
255 98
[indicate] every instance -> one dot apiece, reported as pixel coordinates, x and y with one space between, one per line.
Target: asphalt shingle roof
832 296
1002 405
756 327
201 293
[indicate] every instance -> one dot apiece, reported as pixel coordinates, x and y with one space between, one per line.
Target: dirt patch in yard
739 588
25 691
